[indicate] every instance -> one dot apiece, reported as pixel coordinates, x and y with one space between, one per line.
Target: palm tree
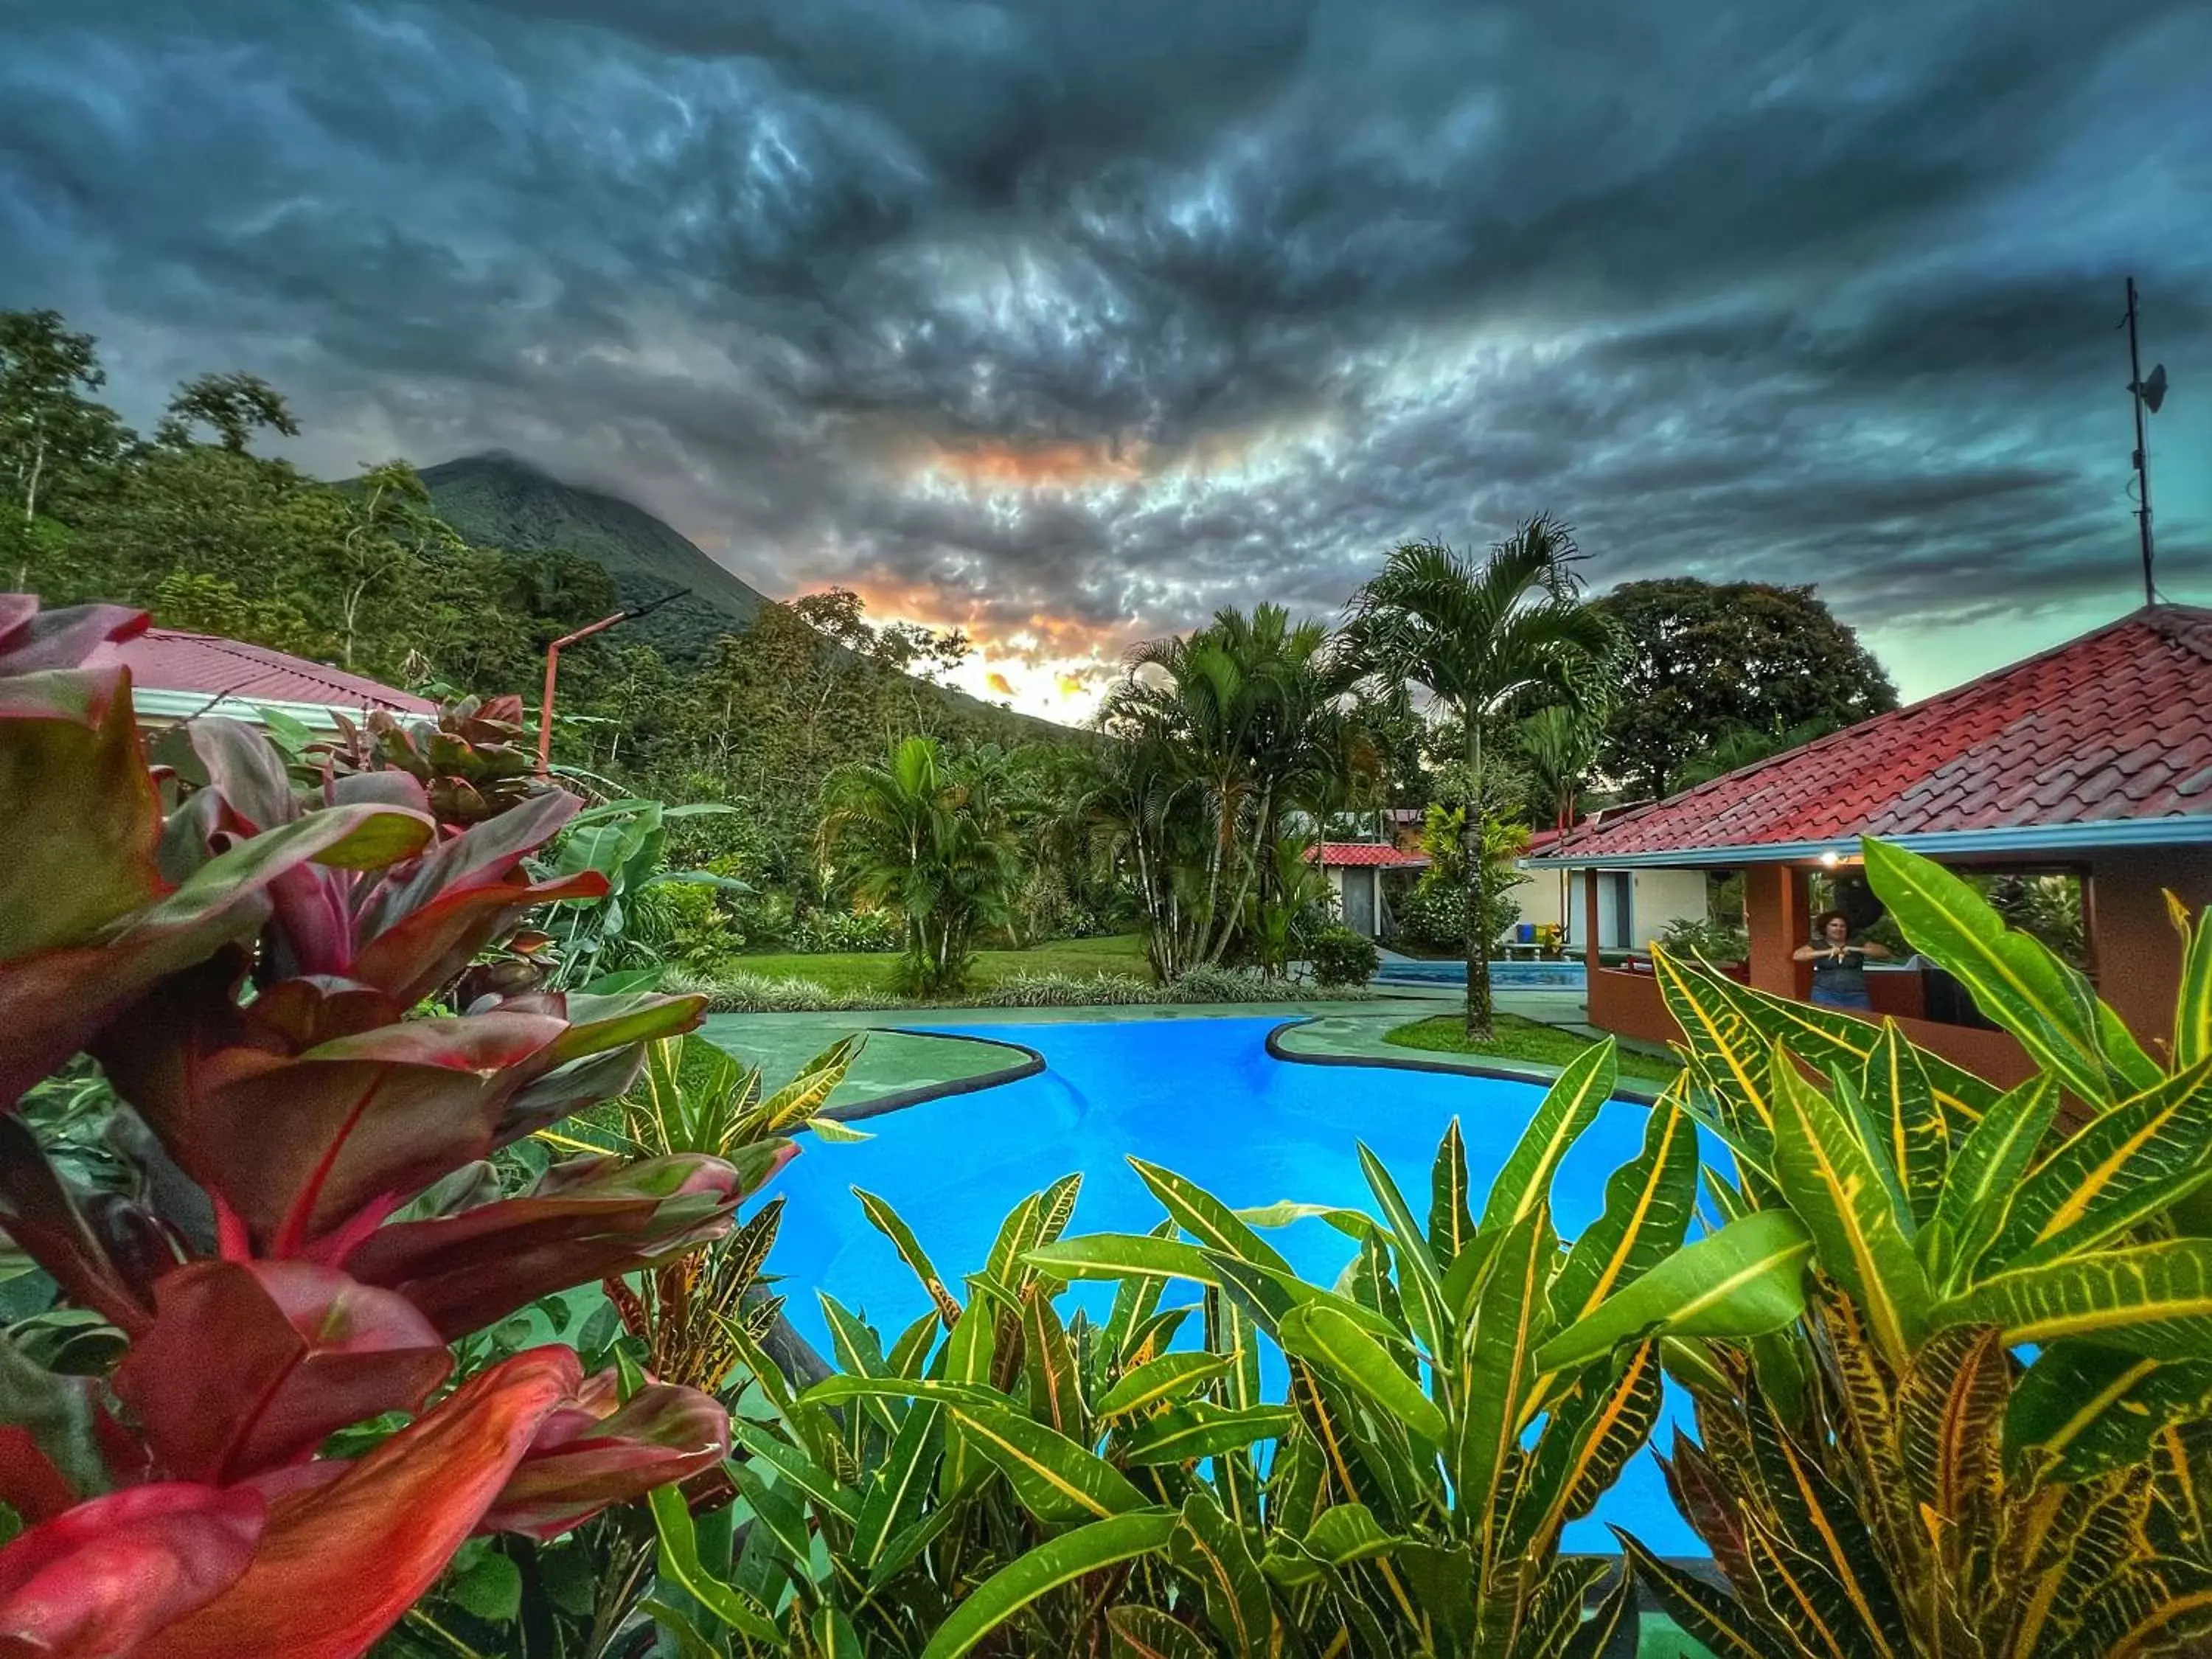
1243 721
1478 637
924 834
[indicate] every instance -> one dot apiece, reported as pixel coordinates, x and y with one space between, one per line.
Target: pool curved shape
1205 1098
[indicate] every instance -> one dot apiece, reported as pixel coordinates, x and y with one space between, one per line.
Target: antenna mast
2142 452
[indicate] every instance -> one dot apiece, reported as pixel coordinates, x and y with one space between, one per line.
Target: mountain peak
500 498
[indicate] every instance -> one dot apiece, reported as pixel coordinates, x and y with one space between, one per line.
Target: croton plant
265 978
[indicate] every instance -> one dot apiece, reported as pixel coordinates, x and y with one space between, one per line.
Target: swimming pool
1204 1097
1522 975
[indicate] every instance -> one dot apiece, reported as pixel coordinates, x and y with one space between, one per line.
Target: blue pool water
1202 1096
1504 976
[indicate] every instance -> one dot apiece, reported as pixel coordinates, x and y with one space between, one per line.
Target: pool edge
1635 1093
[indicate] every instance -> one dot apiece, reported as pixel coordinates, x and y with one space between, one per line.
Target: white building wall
1657 898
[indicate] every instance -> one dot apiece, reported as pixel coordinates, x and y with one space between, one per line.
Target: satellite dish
2153 391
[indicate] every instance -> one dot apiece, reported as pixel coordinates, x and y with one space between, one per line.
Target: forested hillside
454 582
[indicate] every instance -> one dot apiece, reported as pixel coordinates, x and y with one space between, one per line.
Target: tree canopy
1704 665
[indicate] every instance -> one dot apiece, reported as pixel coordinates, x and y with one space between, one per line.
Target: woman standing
1839 964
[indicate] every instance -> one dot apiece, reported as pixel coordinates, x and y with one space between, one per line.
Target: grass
1523 1039
1116 953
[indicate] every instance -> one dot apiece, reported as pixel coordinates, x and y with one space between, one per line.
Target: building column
1589 919
1775 900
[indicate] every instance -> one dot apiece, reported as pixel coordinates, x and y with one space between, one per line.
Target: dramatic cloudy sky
1072 319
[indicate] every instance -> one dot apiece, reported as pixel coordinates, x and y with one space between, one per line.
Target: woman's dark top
1838 981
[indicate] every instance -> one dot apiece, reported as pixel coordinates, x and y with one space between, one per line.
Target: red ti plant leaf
346 1553
106 1577
590 1453
32 641
54 999
586 1219
250 1366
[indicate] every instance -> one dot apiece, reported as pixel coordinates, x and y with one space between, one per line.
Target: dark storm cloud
1102 315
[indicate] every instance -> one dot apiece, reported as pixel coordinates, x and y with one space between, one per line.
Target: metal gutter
2193 829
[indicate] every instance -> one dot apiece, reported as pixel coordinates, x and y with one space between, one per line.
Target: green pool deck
898 1065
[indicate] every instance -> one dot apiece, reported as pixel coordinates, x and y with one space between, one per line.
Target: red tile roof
163 659
2115 724
1373 854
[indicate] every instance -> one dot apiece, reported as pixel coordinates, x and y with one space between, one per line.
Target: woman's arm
1805 953
1870 948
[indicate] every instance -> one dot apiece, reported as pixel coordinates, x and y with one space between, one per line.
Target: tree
235 406
1705 661
923 833
1245 720
50 433
1479 637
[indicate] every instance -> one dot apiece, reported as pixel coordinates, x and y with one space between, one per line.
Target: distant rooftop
2104 740
1381 855
176 675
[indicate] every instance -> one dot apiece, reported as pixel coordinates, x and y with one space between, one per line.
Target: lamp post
553 669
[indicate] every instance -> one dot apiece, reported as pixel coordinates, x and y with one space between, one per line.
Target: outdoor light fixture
1832 860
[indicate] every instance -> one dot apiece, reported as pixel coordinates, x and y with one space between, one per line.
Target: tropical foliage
1983 1433
297 1215
1008 1475
1511 630
1223 735
925 833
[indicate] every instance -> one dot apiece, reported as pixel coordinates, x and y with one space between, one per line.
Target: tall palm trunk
1481 1024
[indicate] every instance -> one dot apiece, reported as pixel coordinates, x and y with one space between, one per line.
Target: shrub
867 931
1431 915
311 1219
1717 942
1340 957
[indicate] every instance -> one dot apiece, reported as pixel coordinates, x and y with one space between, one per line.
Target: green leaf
1705 1614
1418 1280
1496 1365
1141 1633
1353 1224
1062 1561
1895 1086
1324 1337
1346 1532
2013 977
888 1222
2092 1410
1451 1223
796 1468
1055 1394
679 1564
1833 1184
489 1588
1172 1376
2154 1300
2192 1007
778 1508
1055 1479
2132 1162
900 1483
1182 1434
1122 1255
1588 1436
1744 1280
1212 1549
836 1134
1648 1205
1206 1217
1569 1106
1983 1173
968 1355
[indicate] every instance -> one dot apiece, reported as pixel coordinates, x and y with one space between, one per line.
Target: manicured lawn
1523 1039
1118 953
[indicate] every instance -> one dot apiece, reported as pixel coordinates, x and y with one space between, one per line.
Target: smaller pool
1504 976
